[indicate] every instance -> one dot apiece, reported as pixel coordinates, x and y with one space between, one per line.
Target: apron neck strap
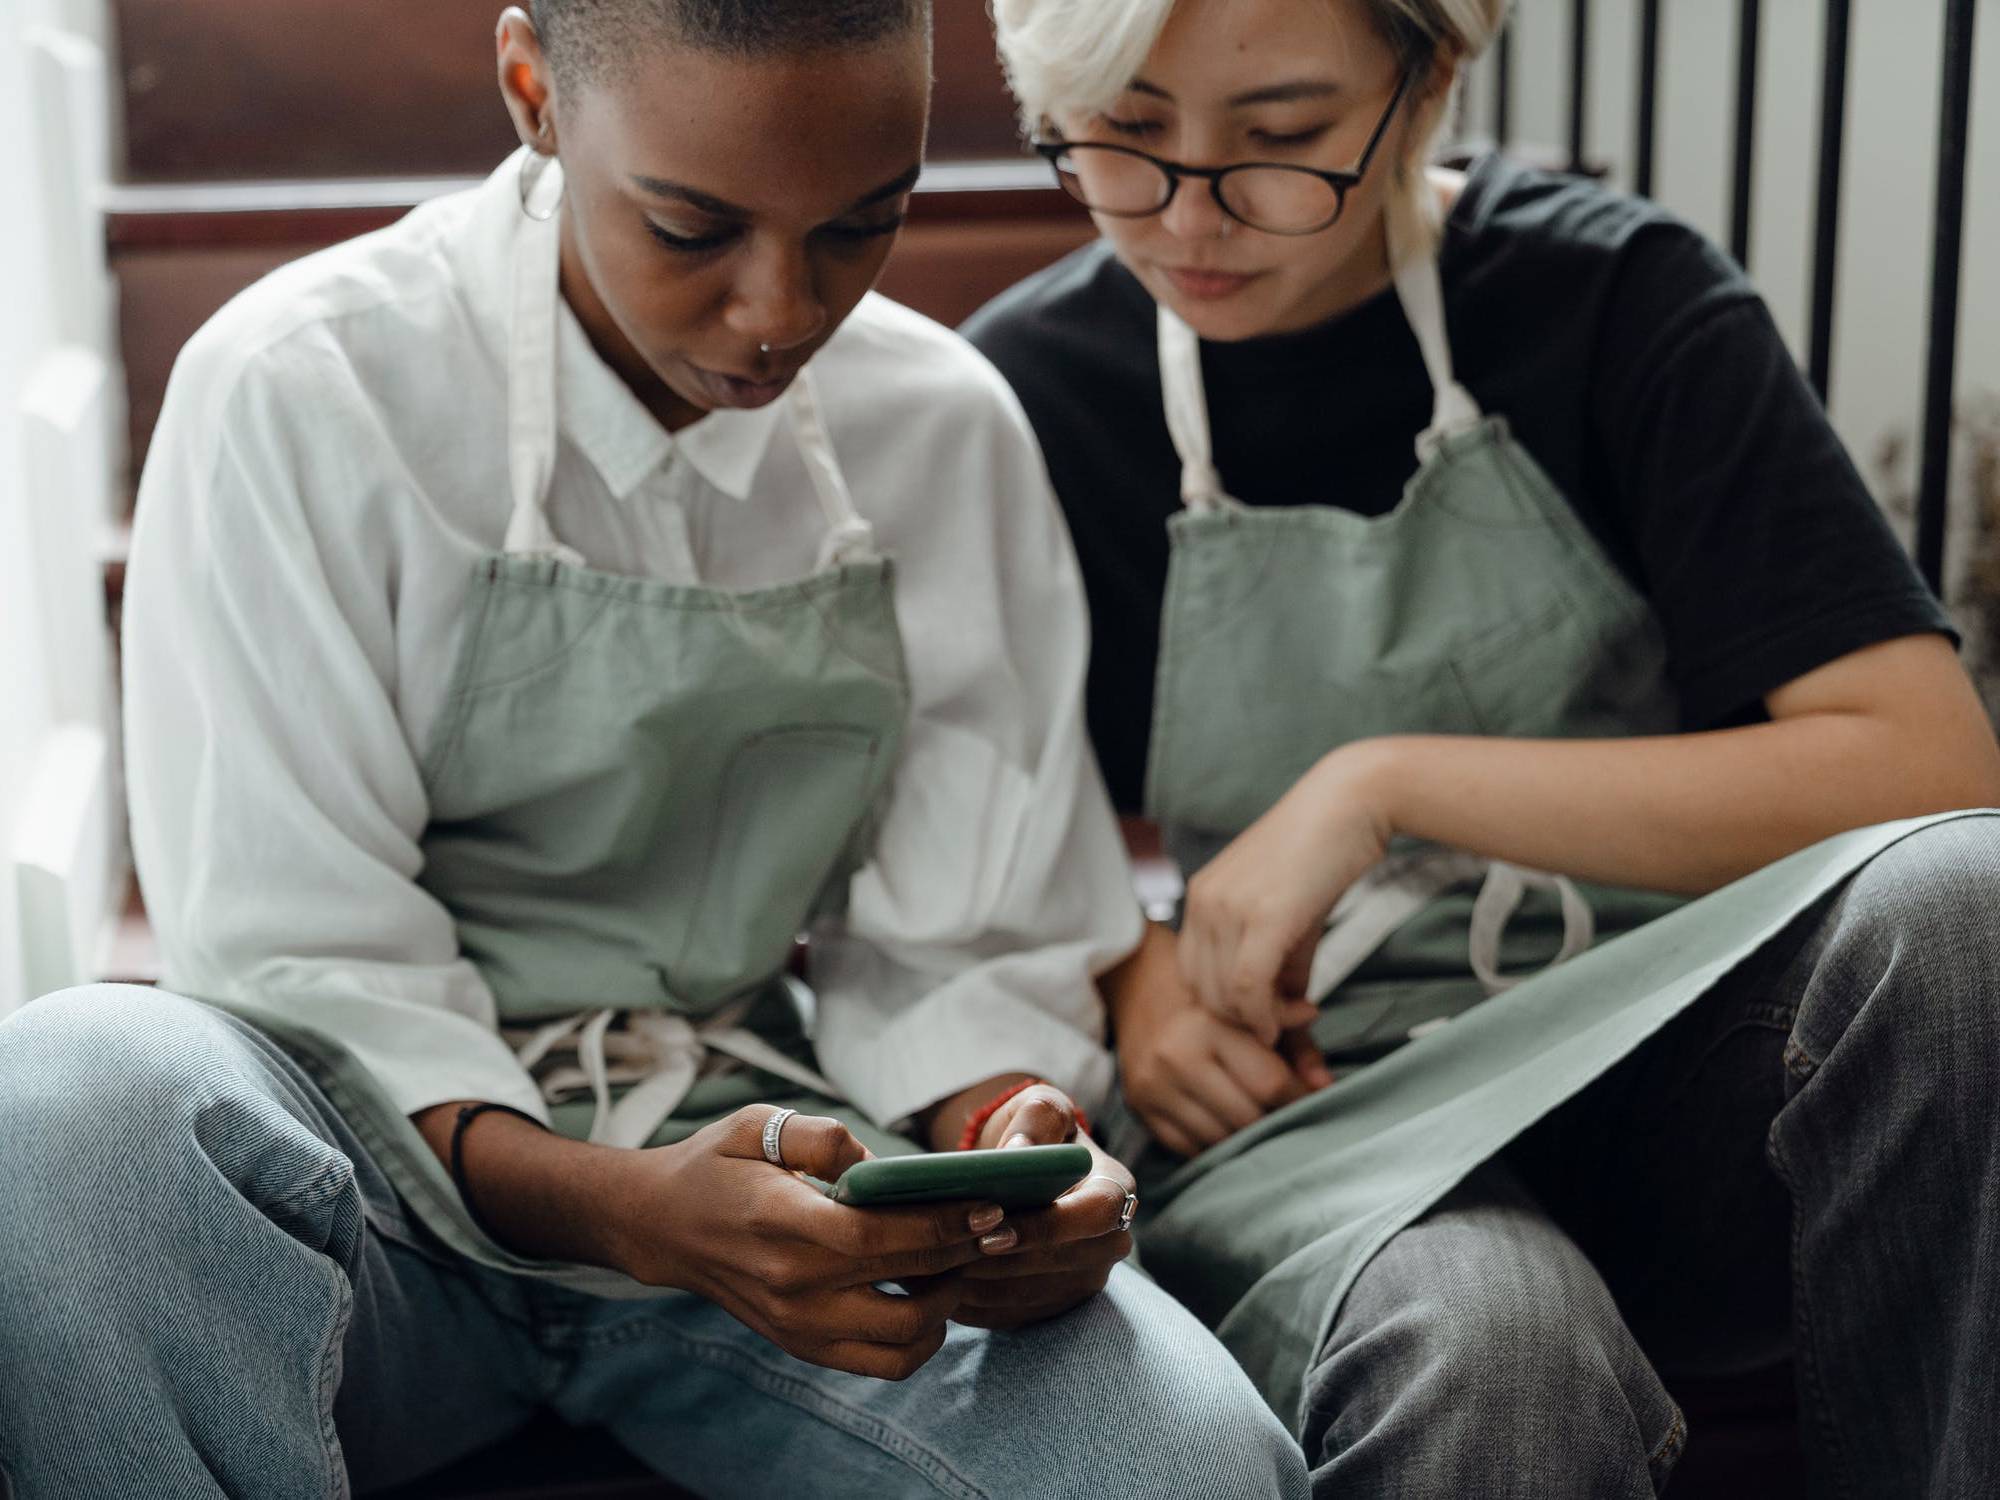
1186 402
1418 288
531 383
532 412
849 537
1421 291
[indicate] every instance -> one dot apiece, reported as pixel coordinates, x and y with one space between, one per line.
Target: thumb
814 1144
1299 1049
1296 971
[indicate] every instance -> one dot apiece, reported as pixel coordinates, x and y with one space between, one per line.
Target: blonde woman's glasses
1274 197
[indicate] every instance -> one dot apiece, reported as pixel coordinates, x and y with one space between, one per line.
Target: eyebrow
659 187
1273 93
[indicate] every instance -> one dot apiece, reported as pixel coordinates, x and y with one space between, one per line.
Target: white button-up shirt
330 461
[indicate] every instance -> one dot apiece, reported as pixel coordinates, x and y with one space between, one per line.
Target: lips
1206 285
741 392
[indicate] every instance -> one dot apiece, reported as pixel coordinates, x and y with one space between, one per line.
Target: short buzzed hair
584 39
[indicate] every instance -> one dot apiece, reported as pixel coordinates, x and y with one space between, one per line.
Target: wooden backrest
221 93
232 89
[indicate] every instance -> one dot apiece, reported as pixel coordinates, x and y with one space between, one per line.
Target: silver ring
774 1129
1130 1210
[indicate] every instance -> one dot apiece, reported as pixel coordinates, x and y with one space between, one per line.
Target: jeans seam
1798 1062
869 1428
1805 1350
330 1366
1669 1450
318 1188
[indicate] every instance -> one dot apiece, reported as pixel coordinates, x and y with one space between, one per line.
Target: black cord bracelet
466 1115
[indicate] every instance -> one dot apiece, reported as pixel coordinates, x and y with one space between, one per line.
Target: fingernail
999 1240
982 1219
1018 1138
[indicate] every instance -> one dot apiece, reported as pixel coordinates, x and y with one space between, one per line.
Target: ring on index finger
774 1131
1129 1210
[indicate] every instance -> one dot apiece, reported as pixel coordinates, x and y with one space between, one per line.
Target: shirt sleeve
276 802
999 886
1761 548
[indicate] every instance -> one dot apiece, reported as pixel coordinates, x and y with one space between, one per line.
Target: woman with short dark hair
541 612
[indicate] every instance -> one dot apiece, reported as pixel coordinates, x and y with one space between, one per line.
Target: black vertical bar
1953 113
1503 88
1579 80
1826 233
1649 96
1746 130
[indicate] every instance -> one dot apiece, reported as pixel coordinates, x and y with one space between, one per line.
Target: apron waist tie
1404 884
659 1053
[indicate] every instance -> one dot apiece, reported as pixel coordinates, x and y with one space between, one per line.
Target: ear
1425 110
525 84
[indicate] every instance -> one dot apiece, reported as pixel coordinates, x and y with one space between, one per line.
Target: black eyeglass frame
1342 182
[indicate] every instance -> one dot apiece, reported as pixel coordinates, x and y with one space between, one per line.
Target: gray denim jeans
207 1288
1806 1163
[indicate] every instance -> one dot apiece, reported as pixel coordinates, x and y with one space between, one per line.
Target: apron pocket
791 804
1520 679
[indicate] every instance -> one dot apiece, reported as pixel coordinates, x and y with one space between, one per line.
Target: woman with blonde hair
1485 608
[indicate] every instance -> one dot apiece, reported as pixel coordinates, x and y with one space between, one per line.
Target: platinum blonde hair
1080 54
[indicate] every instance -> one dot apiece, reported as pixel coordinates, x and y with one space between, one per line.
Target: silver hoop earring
534 167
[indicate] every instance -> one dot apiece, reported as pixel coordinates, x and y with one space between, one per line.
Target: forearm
1684 813
1147 972
542 1194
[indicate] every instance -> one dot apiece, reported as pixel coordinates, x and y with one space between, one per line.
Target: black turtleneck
1633 360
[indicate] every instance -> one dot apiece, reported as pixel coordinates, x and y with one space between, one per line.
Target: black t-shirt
1632 359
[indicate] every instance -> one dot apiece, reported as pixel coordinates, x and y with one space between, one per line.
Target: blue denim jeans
208 1288
1806 1163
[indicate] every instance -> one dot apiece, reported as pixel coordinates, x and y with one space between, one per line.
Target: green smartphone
1025 1177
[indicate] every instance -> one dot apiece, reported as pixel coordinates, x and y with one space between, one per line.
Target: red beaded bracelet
969 1137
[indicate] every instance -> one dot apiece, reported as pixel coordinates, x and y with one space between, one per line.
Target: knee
114 1099
1937 888
1191 1423
1446 1350
1923 911
103 1060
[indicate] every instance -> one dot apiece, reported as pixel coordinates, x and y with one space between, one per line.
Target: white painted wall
59 847
1883 300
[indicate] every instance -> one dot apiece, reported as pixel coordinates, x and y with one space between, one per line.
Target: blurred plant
1972 539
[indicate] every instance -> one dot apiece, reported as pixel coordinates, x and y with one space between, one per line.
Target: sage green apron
641 792
1479 606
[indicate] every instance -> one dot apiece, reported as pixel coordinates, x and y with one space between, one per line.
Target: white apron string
1404 884
849 538
1500 898
531 385
1421 291
1186 402
659 1053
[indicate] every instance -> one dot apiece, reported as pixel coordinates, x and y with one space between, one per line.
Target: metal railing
1948 227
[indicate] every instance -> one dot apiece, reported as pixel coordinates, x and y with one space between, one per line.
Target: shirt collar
625 443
